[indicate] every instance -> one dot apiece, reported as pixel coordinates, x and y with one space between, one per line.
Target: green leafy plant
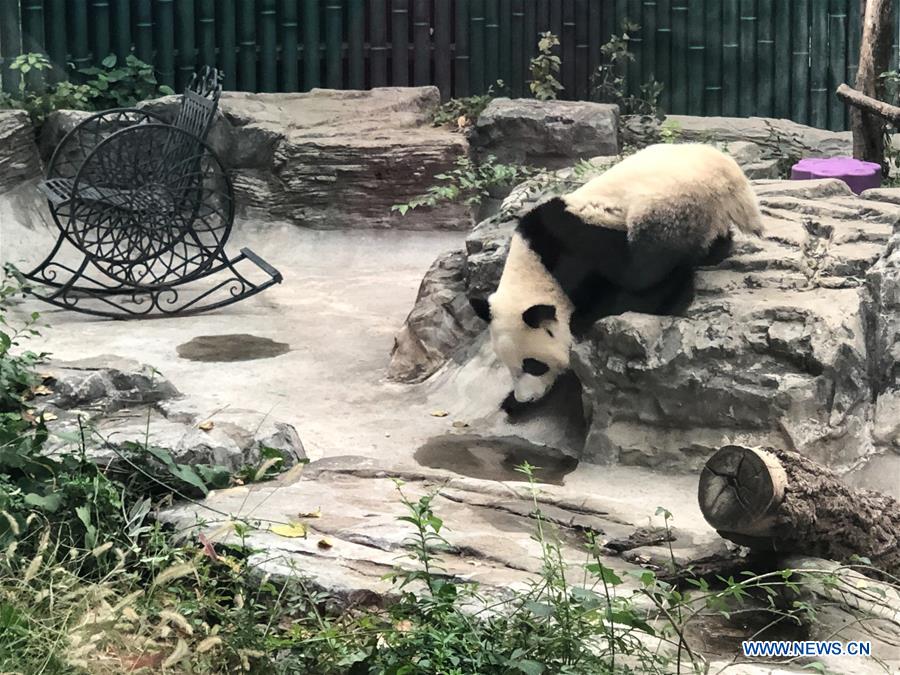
670 131
17 376
891 82
96 88
121 85
464 112
469 182
545 67
609 83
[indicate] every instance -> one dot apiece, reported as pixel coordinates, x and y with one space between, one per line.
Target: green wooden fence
781 58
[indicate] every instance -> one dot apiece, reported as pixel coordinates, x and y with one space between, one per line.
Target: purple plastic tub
859 175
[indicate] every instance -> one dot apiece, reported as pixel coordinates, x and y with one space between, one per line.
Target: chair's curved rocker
144 209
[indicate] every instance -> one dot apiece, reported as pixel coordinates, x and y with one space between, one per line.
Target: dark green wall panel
780 58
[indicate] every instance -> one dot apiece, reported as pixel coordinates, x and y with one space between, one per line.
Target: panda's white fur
667 179
628 233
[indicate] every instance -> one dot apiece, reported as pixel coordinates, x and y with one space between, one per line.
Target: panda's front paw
512 407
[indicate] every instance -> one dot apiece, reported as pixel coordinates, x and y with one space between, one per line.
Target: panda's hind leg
662 239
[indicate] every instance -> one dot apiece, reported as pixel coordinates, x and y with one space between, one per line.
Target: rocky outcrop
793 341
351 509
772 351
114 403
327 159
439 323
549 134
19 159
778 137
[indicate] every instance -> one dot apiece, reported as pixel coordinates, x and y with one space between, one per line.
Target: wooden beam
870 105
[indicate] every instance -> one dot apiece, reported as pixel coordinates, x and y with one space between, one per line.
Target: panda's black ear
535 315
482 308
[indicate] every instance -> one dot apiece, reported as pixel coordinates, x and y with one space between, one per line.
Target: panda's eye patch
534 367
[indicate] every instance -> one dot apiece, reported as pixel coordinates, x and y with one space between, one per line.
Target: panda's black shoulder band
539 229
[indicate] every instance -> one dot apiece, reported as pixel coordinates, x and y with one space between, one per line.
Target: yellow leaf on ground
291 530
42 390
439 413
206 426
49 416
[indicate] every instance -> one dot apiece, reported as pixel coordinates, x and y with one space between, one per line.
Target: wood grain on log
779 500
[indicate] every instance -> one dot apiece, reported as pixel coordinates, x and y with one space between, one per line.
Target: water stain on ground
229 348
494 458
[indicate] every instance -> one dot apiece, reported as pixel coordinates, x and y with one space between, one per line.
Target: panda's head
532 341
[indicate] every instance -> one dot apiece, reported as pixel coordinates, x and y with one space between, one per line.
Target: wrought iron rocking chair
146 207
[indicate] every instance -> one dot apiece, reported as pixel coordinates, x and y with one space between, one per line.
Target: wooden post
874 59
771 499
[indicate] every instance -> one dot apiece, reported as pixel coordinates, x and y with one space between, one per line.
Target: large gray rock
352 504
793 341
327 159
773 350
122 402
550 134
441 321
19 159
778 137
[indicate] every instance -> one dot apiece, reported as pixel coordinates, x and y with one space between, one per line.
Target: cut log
776 500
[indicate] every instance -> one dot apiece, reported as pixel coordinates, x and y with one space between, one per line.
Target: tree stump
776 500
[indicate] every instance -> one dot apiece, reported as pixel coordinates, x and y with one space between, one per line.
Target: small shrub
545 69
469 182
670 131
122 85
891 82
464 112
97 88
610 83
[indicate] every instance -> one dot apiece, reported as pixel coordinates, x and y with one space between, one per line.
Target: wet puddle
228 348
494 458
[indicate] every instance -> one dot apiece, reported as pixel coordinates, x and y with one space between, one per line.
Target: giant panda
627 240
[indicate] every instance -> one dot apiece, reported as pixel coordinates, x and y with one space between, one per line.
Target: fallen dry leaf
206 426
439 413
325 544
48 416
311 514
292 474
41 390
459 424
290 530
208 549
